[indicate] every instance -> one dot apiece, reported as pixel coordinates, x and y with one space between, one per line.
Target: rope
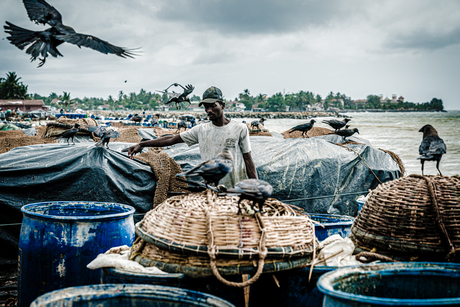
372 257
324 196
212 253
351 149
434 200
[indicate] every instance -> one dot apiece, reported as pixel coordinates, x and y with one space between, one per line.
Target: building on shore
23 105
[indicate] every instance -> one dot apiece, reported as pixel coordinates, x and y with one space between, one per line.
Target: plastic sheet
311 168
61 172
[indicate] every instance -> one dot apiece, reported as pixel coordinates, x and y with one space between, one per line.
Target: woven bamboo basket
189 224
411 216
149 255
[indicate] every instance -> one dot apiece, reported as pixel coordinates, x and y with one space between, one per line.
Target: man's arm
160 142
250 166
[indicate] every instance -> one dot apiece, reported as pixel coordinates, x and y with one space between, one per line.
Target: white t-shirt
212 140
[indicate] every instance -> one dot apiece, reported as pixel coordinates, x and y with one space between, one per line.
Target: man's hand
134 150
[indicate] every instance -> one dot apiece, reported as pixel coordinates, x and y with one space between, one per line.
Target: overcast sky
410 48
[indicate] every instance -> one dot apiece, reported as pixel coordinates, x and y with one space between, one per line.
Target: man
212 138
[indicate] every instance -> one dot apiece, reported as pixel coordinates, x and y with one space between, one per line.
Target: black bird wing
336 124
67 134
432 145
345 132
94 43
301 127
187 90
253 187
41 12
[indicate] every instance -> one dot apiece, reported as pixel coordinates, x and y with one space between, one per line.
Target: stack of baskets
200 234
414 216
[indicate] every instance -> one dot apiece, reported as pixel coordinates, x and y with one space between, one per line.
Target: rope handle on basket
434 201
212 253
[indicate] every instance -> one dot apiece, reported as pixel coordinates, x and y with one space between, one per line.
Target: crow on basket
45 42
432 147
255 190
304 128
104 134
336 124
69 134
212 170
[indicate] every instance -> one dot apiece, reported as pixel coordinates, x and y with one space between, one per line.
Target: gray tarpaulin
307 168
311 168
61 172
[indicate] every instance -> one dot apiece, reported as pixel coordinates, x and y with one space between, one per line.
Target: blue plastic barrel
58 240
127 295
296 290
209 285
332 224
393 284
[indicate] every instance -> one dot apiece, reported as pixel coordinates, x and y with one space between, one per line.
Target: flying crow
179 99
432 147
45 42
304 128
69 134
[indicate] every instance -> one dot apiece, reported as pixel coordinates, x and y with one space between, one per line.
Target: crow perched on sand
432 147
104 134
304 128
346 132
69 134
252 189
213 170
179 99
46 42
336 124
255 124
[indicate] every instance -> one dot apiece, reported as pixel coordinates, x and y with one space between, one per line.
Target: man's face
213 110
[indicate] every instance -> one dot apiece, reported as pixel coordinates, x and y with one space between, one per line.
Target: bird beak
421 130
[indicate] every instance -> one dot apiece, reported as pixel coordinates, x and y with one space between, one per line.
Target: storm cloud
355 47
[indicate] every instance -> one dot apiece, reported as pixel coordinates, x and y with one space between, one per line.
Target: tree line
12 88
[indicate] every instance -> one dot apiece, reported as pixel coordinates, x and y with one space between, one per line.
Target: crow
69 134
179 99
104 134
256 124
212 170
432 147
136 118
45 42
336 124
346 132
303 127
254 190
180 125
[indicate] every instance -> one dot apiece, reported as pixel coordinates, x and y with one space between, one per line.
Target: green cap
211 95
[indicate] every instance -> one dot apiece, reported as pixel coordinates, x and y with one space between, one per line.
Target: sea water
397 132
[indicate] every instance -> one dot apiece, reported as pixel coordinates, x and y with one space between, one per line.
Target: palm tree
65 100
11 88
